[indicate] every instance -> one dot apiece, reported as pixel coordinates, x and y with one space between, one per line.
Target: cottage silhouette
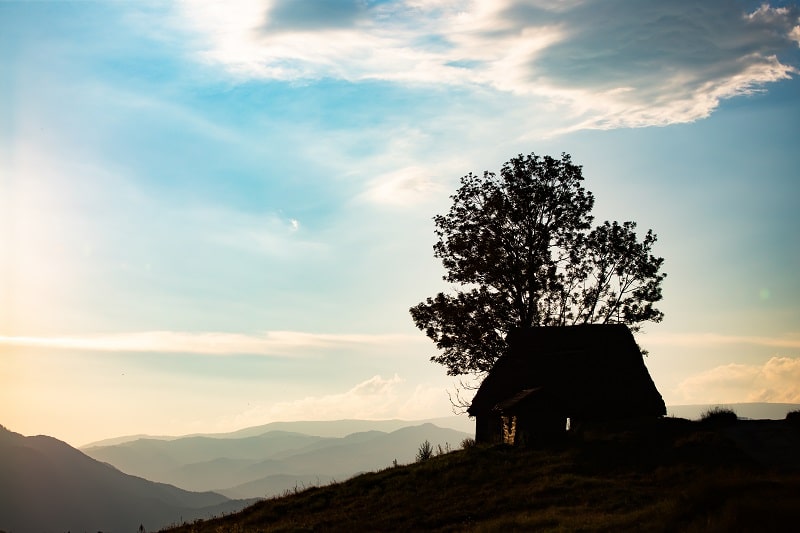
586 373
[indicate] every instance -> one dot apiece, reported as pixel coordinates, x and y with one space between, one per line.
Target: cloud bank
777 380
715 339
376 398
605 63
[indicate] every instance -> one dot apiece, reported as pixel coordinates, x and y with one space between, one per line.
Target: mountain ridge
459 422
320 428
232 465
84 494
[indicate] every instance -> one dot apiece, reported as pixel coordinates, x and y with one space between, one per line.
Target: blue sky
218 214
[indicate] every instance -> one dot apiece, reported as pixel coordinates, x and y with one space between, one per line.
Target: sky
215 215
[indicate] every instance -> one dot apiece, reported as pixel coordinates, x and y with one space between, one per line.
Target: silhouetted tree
520 251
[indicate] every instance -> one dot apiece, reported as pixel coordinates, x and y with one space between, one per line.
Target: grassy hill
669 475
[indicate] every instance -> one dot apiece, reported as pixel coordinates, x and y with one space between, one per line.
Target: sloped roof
592 370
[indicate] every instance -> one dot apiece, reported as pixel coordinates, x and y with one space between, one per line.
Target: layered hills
47 485
244 465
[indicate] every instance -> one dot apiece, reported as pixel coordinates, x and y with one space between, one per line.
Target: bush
467 443
425 451
719 417
793 417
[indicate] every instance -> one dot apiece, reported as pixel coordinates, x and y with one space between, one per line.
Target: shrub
793 417
719 416
425 451
467 443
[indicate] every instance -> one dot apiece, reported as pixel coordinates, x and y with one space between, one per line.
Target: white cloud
376 398
795 34
777 380
210 343
407 186
372 398
605 63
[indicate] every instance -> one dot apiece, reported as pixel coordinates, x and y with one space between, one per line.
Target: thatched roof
593 370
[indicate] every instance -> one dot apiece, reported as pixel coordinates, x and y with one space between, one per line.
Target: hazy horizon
217 216
338 427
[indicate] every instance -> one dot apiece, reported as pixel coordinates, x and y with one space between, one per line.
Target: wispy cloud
407 186
776 380
275 343
607 64
791 341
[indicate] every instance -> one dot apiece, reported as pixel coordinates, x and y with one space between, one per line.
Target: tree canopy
520 251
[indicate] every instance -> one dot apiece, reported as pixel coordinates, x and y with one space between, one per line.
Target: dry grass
673 475
719 417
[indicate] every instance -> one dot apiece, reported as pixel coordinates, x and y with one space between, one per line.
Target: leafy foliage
521 250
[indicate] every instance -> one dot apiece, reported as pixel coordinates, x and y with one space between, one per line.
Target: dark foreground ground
668 475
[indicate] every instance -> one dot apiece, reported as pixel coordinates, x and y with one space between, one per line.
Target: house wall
488 429
537 427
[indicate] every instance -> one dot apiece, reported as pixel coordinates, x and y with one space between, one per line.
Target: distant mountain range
46 485
265 461
269 459
319 428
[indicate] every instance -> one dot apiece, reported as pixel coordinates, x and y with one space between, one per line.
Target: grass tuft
719 417
425 451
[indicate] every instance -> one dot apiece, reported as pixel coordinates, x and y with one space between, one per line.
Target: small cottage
586 373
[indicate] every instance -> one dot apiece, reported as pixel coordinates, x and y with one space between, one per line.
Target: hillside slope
46 485
672 475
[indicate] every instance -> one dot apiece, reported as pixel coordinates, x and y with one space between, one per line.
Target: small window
509 429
